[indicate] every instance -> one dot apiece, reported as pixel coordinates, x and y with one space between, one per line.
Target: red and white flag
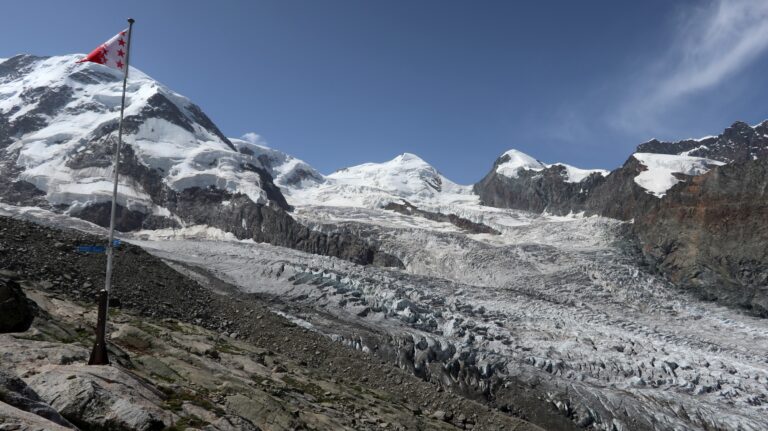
112 52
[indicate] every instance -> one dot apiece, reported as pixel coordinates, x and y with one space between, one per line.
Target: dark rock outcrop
615 195
618 196
537 191
16 311
709 234
126 220
460 222
235 213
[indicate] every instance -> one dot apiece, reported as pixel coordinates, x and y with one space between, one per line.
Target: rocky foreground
186 356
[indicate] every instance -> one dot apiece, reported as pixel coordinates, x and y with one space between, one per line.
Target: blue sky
342 82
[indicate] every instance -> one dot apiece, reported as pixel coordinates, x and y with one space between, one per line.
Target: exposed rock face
709 234
12 418
615 195
618 196
537 191
465 224
16 311
272 224
738 143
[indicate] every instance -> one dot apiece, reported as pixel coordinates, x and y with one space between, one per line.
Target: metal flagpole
99 353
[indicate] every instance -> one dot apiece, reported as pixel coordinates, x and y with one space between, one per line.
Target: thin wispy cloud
254 138
710 45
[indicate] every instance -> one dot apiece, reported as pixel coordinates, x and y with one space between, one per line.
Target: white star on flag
111 53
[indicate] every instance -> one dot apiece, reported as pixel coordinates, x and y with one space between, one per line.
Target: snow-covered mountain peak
409 158
372 185
405 174
512 161
59 117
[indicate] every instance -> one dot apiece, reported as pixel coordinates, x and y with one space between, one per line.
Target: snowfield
659 175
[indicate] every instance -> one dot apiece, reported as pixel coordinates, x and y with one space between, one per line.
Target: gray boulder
16 393
102 397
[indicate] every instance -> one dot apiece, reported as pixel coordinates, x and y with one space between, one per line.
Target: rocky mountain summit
738 143
518 181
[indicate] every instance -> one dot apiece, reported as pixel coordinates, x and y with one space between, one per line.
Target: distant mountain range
699 206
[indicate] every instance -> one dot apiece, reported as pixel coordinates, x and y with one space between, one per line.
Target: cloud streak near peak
710 45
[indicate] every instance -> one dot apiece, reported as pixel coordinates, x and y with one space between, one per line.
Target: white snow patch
659 178
577 175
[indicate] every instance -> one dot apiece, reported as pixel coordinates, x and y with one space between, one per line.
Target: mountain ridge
670 190
58 117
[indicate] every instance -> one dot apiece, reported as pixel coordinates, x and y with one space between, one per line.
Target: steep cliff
710 234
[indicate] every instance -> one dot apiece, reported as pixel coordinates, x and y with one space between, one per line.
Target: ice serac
287 171
58 124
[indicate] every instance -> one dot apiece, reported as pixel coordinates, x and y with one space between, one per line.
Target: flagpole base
99 355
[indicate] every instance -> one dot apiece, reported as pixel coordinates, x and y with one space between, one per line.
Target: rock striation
16 393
